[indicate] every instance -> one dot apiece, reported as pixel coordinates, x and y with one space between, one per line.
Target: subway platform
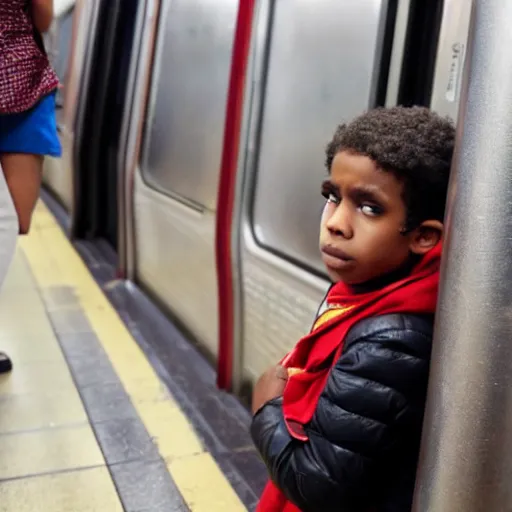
90 418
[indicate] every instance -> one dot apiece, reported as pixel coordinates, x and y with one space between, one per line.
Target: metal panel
175 260
323 69
57 42
58 173
130 139
280 301
243 189
185 123
466 459
175 256
450 57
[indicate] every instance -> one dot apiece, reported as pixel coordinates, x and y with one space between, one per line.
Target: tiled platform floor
85 423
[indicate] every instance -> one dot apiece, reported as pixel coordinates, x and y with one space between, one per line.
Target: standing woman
28 128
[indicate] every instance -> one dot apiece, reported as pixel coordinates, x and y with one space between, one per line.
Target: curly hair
413 143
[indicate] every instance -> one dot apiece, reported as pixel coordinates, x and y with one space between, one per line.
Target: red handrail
226 192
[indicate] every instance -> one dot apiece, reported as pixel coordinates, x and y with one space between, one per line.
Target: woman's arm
42 14
374 395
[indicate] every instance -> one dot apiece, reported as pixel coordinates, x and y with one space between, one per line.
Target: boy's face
360 231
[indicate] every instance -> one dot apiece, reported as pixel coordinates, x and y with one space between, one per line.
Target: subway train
193 137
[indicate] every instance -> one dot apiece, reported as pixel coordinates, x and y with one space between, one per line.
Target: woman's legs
23 174
20 176
9 228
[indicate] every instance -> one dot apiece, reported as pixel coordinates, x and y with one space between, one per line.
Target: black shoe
5 363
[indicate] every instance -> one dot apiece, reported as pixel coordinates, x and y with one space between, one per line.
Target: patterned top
25 72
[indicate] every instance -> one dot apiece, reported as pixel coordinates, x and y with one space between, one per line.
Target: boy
338 422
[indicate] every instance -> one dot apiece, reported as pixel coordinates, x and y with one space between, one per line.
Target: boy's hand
270 385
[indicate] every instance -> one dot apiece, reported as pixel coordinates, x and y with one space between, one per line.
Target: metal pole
466 459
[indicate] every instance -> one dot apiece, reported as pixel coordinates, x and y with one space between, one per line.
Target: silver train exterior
226 113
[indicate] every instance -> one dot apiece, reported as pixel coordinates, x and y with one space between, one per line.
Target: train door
70 52
58 42
176 165
307 80
304 81
96 186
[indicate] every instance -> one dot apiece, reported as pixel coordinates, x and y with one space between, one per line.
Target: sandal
5 363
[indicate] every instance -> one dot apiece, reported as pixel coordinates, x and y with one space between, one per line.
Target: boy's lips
336 258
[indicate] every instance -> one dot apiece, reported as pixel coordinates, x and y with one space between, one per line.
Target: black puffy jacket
364 436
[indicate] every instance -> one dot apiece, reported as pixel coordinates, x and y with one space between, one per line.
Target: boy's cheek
326 215
327 212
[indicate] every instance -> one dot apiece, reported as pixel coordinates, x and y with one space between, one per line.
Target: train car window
326 62
185 122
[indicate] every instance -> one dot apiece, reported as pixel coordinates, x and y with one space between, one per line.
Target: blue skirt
33 131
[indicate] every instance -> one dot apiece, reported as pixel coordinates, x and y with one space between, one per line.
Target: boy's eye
333 198
370 210
330 193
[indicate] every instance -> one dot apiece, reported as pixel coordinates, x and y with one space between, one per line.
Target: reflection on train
193 134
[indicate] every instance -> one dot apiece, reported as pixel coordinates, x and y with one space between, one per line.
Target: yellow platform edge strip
55 263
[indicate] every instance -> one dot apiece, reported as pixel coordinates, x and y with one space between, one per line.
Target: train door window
185 121
327 62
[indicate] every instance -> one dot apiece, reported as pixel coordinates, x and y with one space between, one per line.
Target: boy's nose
339 224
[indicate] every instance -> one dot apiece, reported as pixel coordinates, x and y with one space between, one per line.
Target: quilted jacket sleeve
368 419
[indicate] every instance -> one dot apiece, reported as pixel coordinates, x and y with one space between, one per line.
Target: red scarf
317 352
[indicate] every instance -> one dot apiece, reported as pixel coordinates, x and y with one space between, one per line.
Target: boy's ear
425 237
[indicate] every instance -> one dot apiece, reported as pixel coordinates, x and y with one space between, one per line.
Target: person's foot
5 363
